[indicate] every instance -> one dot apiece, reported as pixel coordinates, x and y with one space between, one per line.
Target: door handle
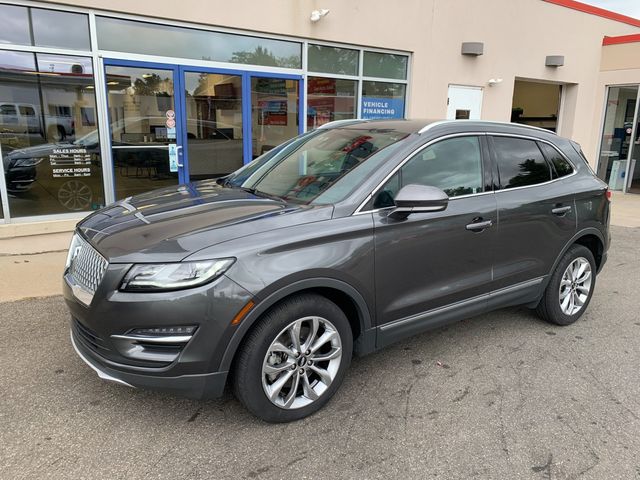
479 225
561 210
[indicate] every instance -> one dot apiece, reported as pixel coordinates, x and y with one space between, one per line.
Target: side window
7 109
520 162
27 111
454 166
560 164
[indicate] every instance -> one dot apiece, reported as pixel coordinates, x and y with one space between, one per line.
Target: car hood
170 224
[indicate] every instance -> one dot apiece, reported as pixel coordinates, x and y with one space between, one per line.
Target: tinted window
453 165
520 162
333 60
15 25
385 65
60 29
561 166
155 39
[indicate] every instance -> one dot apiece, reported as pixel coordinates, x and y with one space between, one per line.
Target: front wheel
570 288
294 359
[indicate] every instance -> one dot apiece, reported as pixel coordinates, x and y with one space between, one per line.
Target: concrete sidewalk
32 266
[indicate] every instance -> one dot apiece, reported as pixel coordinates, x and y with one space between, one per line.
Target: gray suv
338 242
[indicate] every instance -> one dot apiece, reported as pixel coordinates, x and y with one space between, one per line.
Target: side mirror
418 198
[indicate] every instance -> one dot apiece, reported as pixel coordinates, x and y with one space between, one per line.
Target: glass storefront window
383 100
154 39
45 28
48 131
385 65
325 59
214 124
330 99
15 25
616 135
52 28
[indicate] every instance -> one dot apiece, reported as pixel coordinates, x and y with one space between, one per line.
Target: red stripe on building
600 12
621 39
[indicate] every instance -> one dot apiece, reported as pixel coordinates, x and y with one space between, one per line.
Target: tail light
609 194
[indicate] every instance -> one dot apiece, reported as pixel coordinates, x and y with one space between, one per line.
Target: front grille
87 266
90 338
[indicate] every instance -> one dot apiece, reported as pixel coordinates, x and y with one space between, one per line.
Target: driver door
434 266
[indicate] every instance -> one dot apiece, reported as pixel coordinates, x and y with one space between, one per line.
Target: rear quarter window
520 162
561 166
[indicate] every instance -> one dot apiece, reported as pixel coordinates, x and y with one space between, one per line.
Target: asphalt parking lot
502 396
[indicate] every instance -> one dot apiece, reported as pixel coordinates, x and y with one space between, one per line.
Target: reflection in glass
214 124
52 28
141 105
15 25
616 135
51 154
383 100
520 162
385 65
325 59
330 99
274 112
154 39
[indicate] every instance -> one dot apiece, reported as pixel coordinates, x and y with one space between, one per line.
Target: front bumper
195 372
209 385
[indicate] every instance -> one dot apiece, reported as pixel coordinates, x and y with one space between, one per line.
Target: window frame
497 183
486 170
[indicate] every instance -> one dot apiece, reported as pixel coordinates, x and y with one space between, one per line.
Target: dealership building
102 100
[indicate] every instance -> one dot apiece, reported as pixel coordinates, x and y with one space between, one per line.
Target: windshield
305 168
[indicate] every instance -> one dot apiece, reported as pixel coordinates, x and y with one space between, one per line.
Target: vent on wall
554 61
473 49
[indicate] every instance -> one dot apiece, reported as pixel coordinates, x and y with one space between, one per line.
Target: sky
626 7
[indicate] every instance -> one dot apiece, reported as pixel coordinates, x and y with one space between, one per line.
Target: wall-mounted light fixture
554 61
472 49
494 81
317 15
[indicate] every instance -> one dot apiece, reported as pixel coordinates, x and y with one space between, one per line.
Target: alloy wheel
75 195
575 286
301 362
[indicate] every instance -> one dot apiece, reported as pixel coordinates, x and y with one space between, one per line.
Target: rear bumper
206 385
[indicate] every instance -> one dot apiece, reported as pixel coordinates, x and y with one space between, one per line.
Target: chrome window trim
358 210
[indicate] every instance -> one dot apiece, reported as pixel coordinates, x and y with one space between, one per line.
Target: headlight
74 248
173 276
28 162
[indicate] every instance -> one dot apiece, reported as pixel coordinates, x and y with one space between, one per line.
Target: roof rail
337 123
491 122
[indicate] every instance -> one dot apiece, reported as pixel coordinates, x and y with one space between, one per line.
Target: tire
267 359
566 306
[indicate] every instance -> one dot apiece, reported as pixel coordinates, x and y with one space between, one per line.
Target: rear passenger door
536 211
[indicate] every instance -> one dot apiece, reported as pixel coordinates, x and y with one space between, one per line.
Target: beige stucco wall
517 34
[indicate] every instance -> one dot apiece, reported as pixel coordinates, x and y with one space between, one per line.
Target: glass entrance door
618 139
275 111
144 128
214 127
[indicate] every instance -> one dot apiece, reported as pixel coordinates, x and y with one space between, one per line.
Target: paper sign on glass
173 157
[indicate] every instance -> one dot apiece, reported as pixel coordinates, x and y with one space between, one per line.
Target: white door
464 103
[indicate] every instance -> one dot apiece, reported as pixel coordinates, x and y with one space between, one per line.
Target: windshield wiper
259 193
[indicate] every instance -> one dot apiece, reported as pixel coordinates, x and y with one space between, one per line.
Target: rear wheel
570 287
294 359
